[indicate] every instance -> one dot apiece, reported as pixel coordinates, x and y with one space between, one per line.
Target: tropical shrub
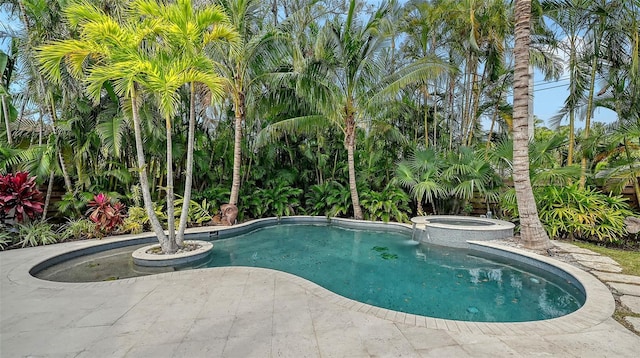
5 239
330 198
77 229
280 200
136 221
391 203
215 196
19 193
568 212
199 213
72 205
107 215
37 233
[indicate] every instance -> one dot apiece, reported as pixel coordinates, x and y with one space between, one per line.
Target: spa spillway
455 231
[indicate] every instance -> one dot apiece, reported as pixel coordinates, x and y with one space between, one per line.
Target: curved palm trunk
237 147
5 112
188 181
532 232
167 245
350 141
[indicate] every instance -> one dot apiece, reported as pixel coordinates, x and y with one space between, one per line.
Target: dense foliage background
406 105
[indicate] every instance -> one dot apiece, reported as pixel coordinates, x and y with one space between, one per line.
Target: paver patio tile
625 288
632 302
615 277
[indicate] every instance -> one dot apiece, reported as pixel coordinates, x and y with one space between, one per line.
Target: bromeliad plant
107 215
20 195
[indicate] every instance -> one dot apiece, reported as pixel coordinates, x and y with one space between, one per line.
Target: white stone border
142 258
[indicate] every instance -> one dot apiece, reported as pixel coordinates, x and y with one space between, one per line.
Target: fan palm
422 174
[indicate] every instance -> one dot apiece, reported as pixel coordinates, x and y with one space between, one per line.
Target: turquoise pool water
388 270
384 269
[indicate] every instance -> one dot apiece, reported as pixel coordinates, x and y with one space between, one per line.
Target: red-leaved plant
19 192
106 215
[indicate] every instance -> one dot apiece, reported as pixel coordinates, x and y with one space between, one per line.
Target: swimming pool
387 269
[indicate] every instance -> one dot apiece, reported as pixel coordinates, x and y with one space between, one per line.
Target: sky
549 97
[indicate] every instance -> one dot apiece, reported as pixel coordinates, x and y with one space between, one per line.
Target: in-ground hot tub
455 231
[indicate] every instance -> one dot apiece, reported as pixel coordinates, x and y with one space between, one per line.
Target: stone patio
251 312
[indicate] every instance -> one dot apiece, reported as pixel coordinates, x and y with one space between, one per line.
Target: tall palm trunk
587 121
350 142
425 92
168 246
237 143
188 181
532 232
171 219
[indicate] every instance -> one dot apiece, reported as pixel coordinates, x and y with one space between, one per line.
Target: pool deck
251 312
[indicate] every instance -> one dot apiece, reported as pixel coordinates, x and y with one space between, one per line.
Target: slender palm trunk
350 142
572 111
167 245
435 115
532 232
171 218
47 198
425 106
237 145
494 117
5 113
188 182
587 121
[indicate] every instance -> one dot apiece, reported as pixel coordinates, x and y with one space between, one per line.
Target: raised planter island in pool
456 231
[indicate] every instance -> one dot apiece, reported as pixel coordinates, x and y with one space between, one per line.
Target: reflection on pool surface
388 270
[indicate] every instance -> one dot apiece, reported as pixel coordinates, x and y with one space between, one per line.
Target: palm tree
337 81
189 31
115 54
422 174
532 232
240 67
